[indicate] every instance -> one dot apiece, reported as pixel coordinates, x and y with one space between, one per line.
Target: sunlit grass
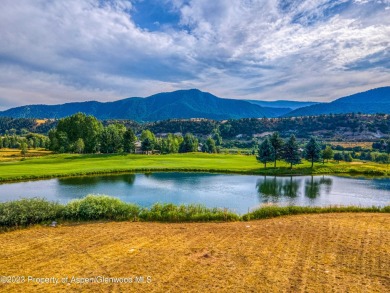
60 165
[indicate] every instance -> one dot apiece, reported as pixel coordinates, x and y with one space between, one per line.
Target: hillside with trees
178 104
336 127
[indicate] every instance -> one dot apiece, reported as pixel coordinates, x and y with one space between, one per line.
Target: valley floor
305 253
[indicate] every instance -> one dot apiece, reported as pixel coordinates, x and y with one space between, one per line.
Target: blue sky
63 51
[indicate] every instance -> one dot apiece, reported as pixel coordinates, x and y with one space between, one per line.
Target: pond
239 193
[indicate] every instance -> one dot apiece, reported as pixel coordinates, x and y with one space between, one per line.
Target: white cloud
57 51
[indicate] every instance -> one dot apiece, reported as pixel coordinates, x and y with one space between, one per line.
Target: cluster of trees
382 146
275 148
170 144
31 141
306 126
80 133
332 126
372 156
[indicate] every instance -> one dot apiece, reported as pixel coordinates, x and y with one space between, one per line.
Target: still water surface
239 193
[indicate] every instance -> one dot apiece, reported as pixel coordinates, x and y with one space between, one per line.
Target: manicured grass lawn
73 165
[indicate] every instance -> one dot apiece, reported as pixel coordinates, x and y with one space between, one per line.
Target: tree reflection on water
273 189
95 180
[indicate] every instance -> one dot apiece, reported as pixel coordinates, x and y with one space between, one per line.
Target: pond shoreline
27 212
25 178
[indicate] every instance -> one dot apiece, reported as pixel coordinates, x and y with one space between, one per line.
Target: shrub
36 210
184 213
101 207
25 212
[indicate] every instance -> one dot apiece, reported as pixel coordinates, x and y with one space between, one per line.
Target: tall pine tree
313 151
266 152
277 143
291 152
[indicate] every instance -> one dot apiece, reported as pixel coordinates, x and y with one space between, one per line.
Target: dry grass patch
351 144
15 154
306 253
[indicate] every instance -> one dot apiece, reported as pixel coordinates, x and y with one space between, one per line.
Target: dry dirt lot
307 253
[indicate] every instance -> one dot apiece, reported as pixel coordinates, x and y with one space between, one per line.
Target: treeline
326 126
80 133
30 140
274 148
330 127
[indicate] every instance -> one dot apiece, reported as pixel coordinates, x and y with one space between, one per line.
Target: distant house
263 134
239 135
138 147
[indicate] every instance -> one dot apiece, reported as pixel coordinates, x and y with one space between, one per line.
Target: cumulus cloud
61 51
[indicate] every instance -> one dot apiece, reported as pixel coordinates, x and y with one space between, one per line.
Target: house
138 147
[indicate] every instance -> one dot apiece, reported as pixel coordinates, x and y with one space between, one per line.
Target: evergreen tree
313 151
291 152
277 143
266 152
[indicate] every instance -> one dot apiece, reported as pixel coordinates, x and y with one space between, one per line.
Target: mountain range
197 104
178 104
288 105
369 102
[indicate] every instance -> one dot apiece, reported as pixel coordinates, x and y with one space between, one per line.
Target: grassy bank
305 253
76 165
25 212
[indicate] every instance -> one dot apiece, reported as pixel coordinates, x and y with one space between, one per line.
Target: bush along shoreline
26 212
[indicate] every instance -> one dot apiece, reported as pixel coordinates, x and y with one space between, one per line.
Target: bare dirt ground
307 253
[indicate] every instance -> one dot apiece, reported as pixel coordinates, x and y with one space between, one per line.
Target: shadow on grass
94 156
